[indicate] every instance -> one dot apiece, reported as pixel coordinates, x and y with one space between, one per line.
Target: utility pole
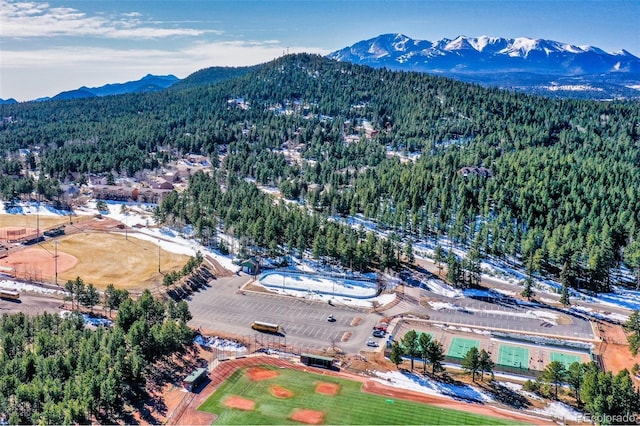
159 255
55 245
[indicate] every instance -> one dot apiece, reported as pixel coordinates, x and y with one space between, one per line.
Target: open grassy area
105 258
349 406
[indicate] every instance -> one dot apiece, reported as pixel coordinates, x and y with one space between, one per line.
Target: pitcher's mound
310 417
280 392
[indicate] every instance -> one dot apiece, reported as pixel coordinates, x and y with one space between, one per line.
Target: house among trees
476 171
114 193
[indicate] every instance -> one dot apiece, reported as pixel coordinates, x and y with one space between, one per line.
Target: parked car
378 333
372 343
331 318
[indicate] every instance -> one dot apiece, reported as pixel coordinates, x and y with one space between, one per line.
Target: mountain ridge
148 83
479 59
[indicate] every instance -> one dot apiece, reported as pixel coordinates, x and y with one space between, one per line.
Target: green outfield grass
513 356
349 406
460 346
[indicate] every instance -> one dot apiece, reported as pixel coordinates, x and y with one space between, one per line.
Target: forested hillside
551 183
57 371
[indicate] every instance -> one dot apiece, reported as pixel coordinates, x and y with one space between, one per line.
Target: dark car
378 333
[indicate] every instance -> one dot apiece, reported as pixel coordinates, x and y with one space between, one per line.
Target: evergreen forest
56 370
548 184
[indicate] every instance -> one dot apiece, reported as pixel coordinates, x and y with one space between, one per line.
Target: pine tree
410 345
471 362
564 296
485 363
632 326
439 257
424 341
527 291
554 374
435 356
396 354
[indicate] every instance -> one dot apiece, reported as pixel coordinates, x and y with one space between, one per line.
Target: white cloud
30 19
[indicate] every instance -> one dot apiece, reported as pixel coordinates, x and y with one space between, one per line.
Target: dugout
196 377
317 361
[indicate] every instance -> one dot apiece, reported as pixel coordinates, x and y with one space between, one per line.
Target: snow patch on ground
517 388
215 342
20 286
443 289
418 383
559 409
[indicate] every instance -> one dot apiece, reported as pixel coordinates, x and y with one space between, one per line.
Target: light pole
55 245
159 255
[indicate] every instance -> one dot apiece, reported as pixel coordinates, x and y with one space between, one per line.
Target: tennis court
566 359
460 346
513 356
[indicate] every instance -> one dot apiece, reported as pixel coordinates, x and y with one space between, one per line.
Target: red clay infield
38 262
327 388
310 417
239 403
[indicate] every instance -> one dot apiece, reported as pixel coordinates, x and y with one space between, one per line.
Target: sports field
565 358
287 396
460 346
513 356
100 258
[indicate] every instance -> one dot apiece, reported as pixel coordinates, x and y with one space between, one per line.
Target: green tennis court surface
460 346
513 356
566 359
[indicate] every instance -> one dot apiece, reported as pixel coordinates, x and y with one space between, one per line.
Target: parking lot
223 307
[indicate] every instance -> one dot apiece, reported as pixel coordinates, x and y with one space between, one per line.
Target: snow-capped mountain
483 59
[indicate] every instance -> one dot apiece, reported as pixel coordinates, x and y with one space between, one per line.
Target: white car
372 343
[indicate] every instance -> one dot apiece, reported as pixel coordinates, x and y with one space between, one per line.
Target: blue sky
48 47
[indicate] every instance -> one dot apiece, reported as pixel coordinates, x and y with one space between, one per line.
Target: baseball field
267 394
95 250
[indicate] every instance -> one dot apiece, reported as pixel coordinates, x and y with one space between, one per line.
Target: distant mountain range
532 65
148 83
538 66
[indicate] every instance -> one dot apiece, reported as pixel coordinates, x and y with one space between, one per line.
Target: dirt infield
239 403
327 388
191 415
310 417
38 264
97 251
